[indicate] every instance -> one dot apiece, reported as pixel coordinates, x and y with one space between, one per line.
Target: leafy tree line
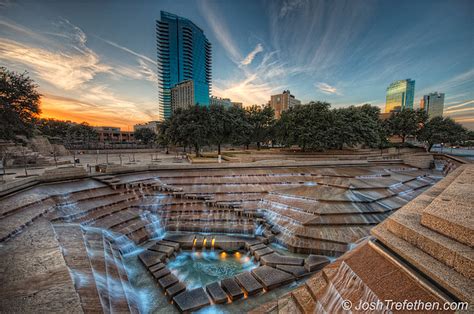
68 133
199 126
314 126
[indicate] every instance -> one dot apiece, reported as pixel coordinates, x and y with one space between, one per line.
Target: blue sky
95 60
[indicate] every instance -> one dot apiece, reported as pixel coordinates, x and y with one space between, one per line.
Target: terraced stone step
12 224
454 254
75 254
129 294
287 305
94 242
451 280
450 213
117 297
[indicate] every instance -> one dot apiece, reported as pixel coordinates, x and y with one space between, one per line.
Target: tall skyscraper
184 53
282 102
400 95
433 104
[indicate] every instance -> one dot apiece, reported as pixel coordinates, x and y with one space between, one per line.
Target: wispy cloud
63 59
290 5
220 30
130 51
249 58
469 102
327 89
63 69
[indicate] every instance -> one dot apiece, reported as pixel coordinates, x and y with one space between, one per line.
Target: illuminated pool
197 269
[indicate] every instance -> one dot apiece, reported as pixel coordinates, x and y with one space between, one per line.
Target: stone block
174 245
251 242
315 262
277 259
156 267
161 273
262 252
256 247
150 258
248 283
297 271
162 249
231 287
167 281
191 300
303 299
271 278
216 292
175 289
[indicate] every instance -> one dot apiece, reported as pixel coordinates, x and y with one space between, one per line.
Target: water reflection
199 268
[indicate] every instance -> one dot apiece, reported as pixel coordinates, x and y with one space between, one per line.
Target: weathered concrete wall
422 161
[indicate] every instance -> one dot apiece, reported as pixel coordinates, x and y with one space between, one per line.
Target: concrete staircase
434 233
97 270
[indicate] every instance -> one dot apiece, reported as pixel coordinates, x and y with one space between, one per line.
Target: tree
19 104
164 137
53 128
260 122
240 126
221 126
442 130
81 134
405 123
145 135
190 127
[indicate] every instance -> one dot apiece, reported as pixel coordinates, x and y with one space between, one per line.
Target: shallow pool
200 268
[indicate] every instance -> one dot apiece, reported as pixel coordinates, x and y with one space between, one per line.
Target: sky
95 61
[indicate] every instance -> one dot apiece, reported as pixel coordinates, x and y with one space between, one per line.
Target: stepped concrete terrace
423 252
103 243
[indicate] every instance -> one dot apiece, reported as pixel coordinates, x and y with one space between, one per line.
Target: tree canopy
407 122
19 104
442 130
145 135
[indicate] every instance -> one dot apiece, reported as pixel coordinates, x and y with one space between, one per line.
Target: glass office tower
433 104
400 95
184 53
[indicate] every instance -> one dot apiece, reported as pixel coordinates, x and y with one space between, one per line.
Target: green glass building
184 54
400 95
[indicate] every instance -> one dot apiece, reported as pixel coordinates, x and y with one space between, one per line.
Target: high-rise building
226 102
433 104
184 53
182 95
400 95
282 102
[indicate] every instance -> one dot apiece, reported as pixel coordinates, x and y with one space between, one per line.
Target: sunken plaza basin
123 242
196 270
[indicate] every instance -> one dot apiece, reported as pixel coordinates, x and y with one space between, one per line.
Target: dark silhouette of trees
145 135
442 130
19 104
405 123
